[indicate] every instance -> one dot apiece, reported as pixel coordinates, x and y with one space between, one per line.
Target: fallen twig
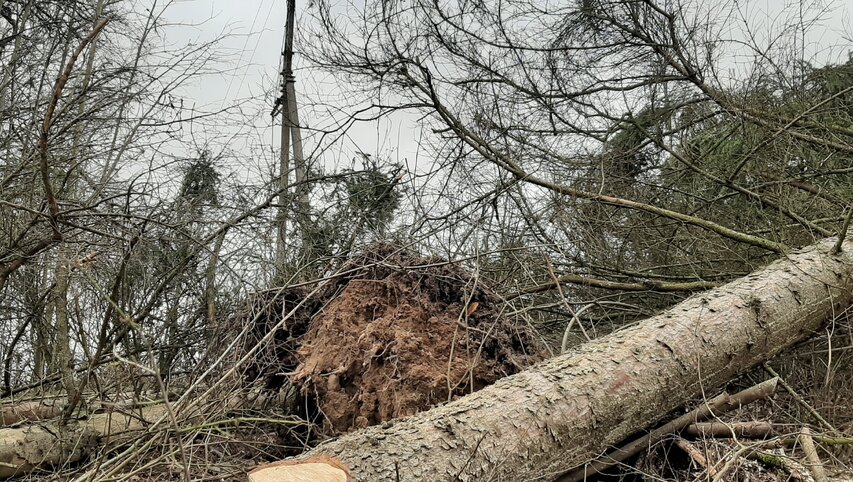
696 455
718 405
799 399
753 430
814 464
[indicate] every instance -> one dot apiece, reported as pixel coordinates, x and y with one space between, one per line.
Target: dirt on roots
394 336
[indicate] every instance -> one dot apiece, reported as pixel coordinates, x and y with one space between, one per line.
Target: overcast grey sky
256 27
253 45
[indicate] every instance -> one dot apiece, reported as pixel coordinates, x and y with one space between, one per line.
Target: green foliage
371 196
358 206
626 152
784 170
756 178
832 80
201 181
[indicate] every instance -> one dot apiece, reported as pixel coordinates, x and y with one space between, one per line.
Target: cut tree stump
559 414
312 469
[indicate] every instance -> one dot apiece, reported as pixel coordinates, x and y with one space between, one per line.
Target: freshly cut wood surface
314 469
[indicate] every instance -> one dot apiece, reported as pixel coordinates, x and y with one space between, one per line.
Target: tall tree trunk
208 300
567 410
63 355
42 338
171 340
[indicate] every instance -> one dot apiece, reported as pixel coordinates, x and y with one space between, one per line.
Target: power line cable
243 50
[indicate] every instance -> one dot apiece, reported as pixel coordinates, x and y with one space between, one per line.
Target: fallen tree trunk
43 446
49 444
563 412
28 411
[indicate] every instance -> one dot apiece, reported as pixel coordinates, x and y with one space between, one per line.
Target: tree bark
25 449
563 412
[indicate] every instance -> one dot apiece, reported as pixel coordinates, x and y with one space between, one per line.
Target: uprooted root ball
402 335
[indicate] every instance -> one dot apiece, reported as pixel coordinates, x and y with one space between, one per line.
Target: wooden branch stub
751 430
814 464
696 455
760 391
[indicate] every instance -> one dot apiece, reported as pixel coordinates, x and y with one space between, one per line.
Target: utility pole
289 128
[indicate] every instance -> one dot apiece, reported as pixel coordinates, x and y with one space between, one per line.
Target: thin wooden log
717 406
752 430
32 447
695 455
814 464
28 412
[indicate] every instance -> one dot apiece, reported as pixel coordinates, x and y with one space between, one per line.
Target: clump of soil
403 334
